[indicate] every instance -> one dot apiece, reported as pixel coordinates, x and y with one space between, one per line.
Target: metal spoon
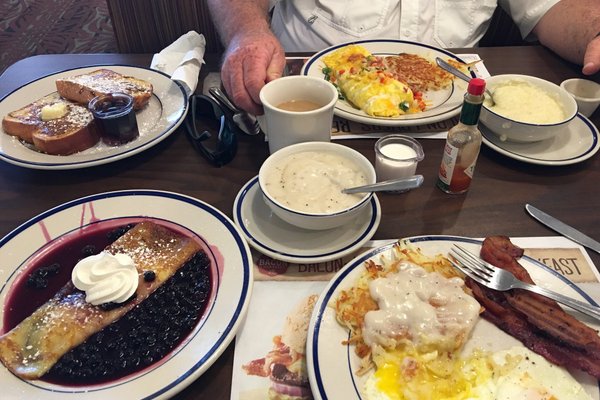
393 185
459 74
246 122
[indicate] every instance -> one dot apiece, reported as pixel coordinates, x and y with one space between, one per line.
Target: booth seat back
147 26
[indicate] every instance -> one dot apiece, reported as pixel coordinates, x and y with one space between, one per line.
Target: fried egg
417 336
513 374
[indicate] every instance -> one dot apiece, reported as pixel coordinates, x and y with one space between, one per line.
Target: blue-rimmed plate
444 103
231 263
577 143
279 240
163 114
332 366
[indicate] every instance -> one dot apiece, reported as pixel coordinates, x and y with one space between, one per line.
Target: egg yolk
412 375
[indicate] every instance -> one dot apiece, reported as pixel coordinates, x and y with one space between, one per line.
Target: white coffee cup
284 127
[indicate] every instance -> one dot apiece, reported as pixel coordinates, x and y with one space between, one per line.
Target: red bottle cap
476 86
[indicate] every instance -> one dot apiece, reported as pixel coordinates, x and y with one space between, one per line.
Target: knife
563 228
247 123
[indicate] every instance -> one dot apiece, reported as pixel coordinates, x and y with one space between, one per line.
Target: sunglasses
210 132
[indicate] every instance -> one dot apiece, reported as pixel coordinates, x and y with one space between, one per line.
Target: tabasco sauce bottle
463 143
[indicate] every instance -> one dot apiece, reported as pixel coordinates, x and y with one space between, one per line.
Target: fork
502 280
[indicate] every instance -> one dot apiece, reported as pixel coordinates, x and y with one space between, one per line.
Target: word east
564 266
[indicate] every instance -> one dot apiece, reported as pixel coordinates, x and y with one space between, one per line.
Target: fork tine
474 274
475 259
471 264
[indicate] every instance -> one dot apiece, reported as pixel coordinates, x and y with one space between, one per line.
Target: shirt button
407 33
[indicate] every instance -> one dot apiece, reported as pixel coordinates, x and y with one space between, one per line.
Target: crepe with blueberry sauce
65 321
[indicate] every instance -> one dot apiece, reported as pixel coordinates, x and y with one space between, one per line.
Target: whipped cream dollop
106 278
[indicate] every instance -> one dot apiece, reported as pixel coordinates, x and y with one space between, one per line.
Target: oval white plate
445 103
577 143
331 364
163 114
279 240
232 286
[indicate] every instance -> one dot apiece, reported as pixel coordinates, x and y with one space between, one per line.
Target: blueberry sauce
140 338
144 335
49 273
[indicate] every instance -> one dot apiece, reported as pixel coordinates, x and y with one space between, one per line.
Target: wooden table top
494 204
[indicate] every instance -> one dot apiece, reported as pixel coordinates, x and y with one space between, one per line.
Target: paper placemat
282 286
565 257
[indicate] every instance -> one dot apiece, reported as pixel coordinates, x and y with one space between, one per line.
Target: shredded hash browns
417 72
352 305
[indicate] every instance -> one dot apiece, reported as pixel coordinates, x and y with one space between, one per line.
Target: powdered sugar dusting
106 81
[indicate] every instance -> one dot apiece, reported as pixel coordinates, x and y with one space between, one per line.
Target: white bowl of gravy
302 184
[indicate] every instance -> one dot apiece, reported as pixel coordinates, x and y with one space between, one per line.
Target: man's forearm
569 26
235 16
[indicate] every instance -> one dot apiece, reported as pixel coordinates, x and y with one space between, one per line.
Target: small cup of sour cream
397 156
585 92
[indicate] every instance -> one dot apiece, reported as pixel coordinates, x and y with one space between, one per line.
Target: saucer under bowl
270 235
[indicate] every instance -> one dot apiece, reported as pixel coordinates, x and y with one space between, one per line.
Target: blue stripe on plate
491 137
239 242
168 129
238 211
358 113
315 58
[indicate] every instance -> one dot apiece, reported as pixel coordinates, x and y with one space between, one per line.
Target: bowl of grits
302 184
526 108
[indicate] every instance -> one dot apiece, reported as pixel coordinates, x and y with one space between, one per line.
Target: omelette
364 81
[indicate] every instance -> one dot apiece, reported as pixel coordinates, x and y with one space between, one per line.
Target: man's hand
591 58
251 60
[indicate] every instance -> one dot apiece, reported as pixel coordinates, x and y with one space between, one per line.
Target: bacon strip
281 354
540 323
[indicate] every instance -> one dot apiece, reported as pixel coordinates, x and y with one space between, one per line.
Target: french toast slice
73 132
65 321
83 88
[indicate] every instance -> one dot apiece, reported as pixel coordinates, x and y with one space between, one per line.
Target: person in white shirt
256 42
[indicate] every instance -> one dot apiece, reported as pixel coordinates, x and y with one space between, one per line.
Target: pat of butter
54 111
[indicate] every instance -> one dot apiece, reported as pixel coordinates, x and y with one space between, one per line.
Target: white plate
232 286
274 237
163 114
577 143
331 364
445 103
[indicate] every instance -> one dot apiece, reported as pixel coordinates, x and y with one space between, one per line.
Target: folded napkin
182 60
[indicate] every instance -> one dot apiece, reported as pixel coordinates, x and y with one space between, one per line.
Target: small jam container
115 117
397 156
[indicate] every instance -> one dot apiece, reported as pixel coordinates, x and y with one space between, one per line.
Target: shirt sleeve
526 14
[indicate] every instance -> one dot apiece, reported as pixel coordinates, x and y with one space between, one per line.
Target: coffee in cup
297 109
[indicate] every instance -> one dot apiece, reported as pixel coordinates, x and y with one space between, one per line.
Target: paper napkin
182 60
